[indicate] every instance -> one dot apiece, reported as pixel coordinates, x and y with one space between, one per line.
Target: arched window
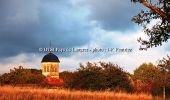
47 68
56 69
52 68
44 68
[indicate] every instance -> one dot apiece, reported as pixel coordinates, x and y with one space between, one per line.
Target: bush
22 76
98 76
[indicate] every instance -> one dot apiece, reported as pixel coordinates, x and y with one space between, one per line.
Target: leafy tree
146 72
1 80
164 66
18 75
68 78
99 76
5 78
116 77
157 10
89 77
147 75
22 76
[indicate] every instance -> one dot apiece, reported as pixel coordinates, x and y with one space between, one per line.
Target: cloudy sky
27 25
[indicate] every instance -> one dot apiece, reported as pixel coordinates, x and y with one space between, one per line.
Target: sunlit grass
30 93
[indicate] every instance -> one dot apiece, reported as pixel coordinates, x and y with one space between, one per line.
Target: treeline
148 78
98 76
154 79
22 76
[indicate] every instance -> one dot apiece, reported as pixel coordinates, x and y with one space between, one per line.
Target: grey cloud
27 25
112 14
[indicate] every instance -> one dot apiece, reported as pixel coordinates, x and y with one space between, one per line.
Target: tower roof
50 57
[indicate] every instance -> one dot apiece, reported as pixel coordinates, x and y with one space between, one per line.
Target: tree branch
154 9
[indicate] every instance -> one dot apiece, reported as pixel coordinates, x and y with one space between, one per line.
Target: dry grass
30 93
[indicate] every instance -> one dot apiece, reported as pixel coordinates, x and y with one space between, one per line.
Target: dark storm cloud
26 25
112 14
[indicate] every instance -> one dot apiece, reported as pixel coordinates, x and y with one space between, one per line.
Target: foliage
146 78
22 76
99 76
116 77
68 78
89 77
146 72
164 66
159 10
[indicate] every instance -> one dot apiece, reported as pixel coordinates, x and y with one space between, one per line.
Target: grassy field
30 93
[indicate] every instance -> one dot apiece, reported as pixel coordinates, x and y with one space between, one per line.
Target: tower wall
50 69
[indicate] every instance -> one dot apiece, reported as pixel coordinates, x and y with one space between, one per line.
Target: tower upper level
50 57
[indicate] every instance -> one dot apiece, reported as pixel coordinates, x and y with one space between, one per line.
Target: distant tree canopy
160 32
147 72
147 77
164 66
22 75
92 76
99 76
152 79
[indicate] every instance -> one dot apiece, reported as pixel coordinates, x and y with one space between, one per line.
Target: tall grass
30 93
